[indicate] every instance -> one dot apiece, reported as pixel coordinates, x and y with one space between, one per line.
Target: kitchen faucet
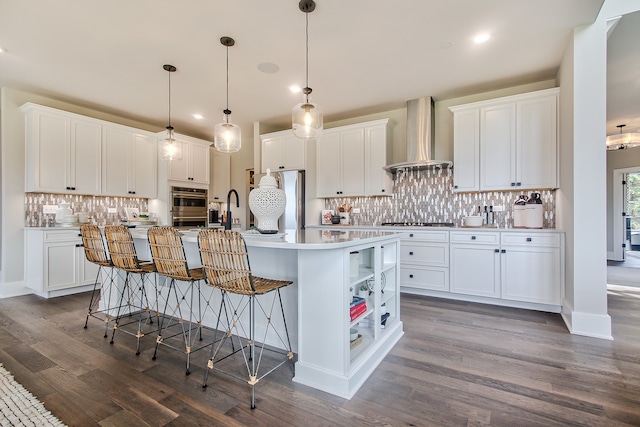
228 222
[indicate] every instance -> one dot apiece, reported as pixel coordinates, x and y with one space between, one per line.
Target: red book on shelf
359 310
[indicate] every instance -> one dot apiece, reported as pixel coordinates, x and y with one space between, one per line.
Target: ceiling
364 56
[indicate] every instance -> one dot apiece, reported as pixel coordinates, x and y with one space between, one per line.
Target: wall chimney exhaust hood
420 138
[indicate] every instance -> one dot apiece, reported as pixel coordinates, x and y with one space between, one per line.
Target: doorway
624 269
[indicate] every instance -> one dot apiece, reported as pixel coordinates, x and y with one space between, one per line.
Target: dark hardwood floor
458 364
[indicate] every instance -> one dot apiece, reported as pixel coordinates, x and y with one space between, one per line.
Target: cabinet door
466 150
294 153
60 265
199 157
475 270
352 151
378 182
272 154
498 147
144 170
329 164
116 161
532 274
87 271
178 170
86 156
220 182
48 140
537 143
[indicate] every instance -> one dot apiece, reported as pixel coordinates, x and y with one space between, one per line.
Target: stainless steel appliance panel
189 207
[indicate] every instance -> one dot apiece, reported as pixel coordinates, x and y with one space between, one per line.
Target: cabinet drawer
436 279
531 239
471 237
426 236
425 253
66 235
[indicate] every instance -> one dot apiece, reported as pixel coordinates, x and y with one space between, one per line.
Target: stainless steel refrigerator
293 184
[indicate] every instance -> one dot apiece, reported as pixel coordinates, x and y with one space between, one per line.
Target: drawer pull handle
79 245
411 276
473 237
497 250
528 239
410 253
411 235
503 251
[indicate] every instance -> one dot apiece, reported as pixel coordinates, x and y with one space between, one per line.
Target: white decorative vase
267 202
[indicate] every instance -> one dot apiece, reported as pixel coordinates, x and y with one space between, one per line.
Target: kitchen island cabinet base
347 385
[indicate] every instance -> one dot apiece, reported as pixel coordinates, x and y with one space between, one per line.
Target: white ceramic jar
267 202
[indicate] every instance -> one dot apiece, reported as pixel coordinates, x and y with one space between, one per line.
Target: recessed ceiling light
1 49
481 38
445 45
295 89
198 116
268 67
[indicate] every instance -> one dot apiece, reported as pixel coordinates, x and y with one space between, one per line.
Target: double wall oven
189 207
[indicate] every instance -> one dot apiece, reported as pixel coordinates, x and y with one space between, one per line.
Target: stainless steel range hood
420 138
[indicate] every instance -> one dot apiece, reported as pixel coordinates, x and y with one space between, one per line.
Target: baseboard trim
587 324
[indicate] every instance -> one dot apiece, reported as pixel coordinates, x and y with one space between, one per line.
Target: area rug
18 407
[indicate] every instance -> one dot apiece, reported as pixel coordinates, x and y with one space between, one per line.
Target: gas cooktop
419 224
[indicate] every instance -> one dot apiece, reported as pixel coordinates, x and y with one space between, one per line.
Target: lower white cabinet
532 267
56 263
514 268
475 263
424 258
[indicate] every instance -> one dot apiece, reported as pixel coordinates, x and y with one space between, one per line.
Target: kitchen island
327 267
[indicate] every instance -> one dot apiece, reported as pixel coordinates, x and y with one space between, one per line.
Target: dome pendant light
171 149
226 135
623 141
306 117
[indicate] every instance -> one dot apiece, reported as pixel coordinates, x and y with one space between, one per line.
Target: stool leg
286 330
93 295
124 288
252 326
162 320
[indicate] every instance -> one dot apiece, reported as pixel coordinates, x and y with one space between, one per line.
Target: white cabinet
194 165
350 160
466 150
532 267
475 263
283 151
220 182
62 151
507 143
129 162
424 258
56 263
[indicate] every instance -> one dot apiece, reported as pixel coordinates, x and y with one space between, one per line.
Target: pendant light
306 117
623 141
171 149
226 135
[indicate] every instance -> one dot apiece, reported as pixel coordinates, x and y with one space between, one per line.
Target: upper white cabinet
283 151
70 153
507 143
350 160
129 162
220 181
194 165
466 150
62 151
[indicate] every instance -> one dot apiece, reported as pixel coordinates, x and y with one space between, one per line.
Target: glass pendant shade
171 149
227 137
622 141
307 120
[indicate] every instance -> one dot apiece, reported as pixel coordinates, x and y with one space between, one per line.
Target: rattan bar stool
225 262
96 253
181 321
134 301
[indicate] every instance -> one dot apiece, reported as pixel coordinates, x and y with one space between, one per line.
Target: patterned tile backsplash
427 196
96 207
